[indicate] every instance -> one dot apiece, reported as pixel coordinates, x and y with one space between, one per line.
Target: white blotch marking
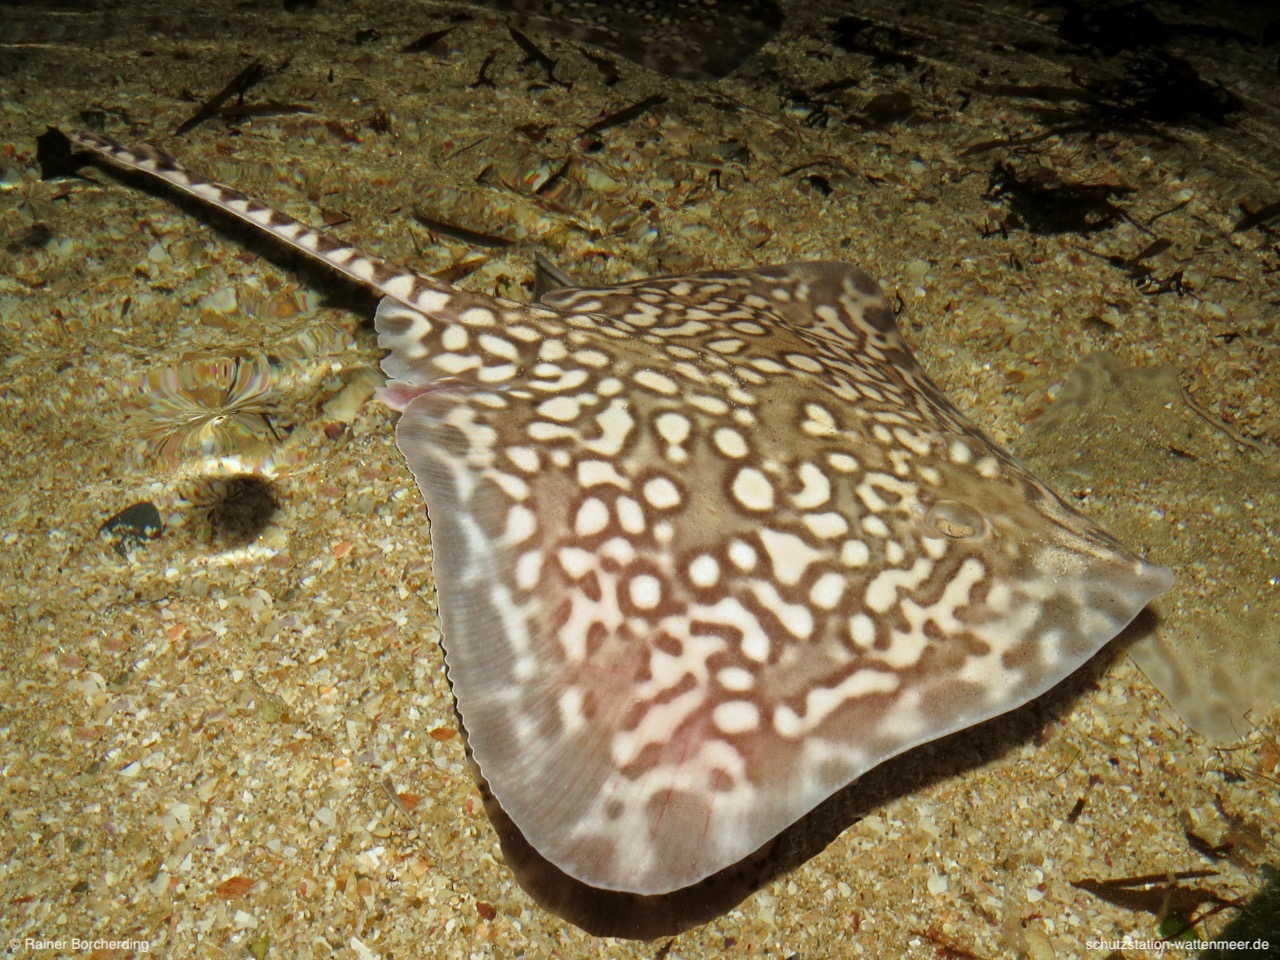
819 421
497 373
704 570
827 590
882 591
521 524
796 618
728 345
549 350
593 516
826 526
645 591
515 487
524 459
752 490
617 549
529 570
477 317
661 494
870 497
616 423
630 516
731 613
673 427
730 443
736 716
842 463
544 430
455 338
918 443
455 362
736 679
789 555
958 591
855 553
575 561
804 362
643 312
593 473
708 404
743 555
906 646
767 365
562 409
570 709
869 491
935 547
816 490
362 267
657 382
755 642
876 527
862 631
555 379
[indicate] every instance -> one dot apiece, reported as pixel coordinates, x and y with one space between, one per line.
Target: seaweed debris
1043 202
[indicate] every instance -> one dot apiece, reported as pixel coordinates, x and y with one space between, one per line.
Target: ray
709 548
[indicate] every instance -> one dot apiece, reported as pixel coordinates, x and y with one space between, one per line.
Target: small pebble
132 527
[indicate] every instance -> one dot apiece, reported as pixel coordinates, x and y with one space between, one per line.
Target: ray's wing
719 550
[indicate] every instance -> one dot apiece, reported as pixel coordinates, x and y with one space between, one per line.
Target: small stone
222 301
1037 946
132 527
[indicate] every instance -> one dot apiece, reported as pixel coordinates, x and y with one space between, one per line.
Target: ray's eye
954 520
